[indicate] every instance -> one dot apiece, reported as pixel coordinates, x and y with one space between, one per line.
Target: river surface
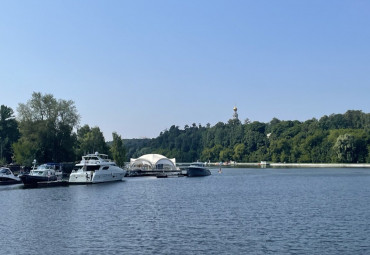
238 211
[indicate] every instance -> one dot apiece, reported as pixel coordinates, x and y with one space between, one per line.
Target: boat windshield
44 167
197 164
90 158
101 157
5 171
37 172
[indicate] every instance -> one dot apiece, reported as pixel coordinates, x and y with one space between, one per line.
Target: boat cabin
198 164
5 171
96 159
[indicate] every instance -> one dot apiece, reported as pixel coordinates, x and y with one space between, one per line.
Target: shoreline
299 165
303 165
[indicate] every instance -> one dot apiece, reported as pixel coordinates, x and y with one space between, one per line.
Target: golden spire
235 115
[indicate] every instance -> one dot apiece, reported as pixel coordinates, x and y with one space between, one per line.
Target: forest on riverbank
337 138
47 129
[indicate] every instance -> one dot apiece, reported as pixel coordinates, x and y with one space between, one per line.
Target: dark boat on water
44 173
198 169
7 177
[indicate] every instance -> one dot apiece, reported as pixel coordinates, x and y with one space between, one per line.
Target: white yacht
96 168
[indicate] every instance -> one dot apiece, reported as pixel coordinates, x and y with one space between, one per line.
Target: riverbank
313 165
267 164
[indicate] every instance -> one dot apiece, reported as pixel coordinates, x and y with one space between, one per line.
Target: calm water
241 211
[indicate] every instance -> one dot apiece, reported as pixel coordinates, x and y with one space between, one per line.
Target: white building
153 162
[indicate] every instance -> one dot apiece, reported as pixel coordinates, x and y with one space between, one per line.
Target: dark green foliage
90 140
9 133
118 150
311 141
46 125
44 131
136 147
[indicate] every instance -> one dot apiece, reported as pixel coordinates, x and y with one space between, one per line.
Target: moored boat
49 172
96 168
198 169
7 177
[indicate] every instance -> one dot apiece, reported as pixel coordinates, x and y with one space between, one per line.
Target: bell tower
235 115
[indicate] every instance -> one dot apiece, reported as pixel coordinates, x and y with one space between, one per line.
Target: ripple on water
241 211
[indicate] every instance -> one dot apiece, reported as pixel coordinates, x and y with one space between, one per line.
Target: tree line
337 138
47 129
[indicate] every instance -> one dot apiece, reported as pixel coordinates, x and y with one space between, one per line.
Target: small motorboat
7 177
49 172
198 169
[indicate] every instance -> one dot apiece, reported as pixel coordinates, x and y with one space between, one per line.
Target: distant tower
235 115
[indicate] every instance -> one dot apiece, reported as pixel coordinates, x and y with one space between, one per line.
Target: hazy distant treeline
331 139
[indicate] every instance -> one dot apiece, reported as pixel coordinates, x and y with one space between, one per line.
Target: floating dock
170 175
47 184
153 173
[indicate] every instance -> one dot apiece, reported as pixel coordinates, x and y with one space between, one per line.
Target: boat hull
198 171
7 177
86 177
9 181
31 180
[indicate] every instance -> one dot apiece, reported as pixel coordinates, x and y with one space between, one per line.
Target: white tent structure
153 162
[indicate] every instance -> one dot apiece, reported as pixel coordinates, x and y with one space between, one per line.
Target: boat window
90 158
34 172
106 168
45 167
92 168
197 164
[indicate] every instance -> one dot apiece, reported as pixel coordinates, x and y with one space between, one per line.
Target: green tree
312 147
226 154
206 155
344 148
46 126
215 152
24 151
8 133
91 140
239 151
118 150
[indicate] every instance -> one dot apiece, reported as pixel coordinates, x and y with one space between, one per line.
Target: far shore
314 165
264 164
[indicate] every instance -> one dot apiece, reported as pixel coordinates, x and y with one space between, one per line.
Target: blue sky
138 67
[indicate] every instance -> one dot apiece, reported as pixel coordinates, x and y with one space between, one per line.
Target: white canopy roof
152 162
